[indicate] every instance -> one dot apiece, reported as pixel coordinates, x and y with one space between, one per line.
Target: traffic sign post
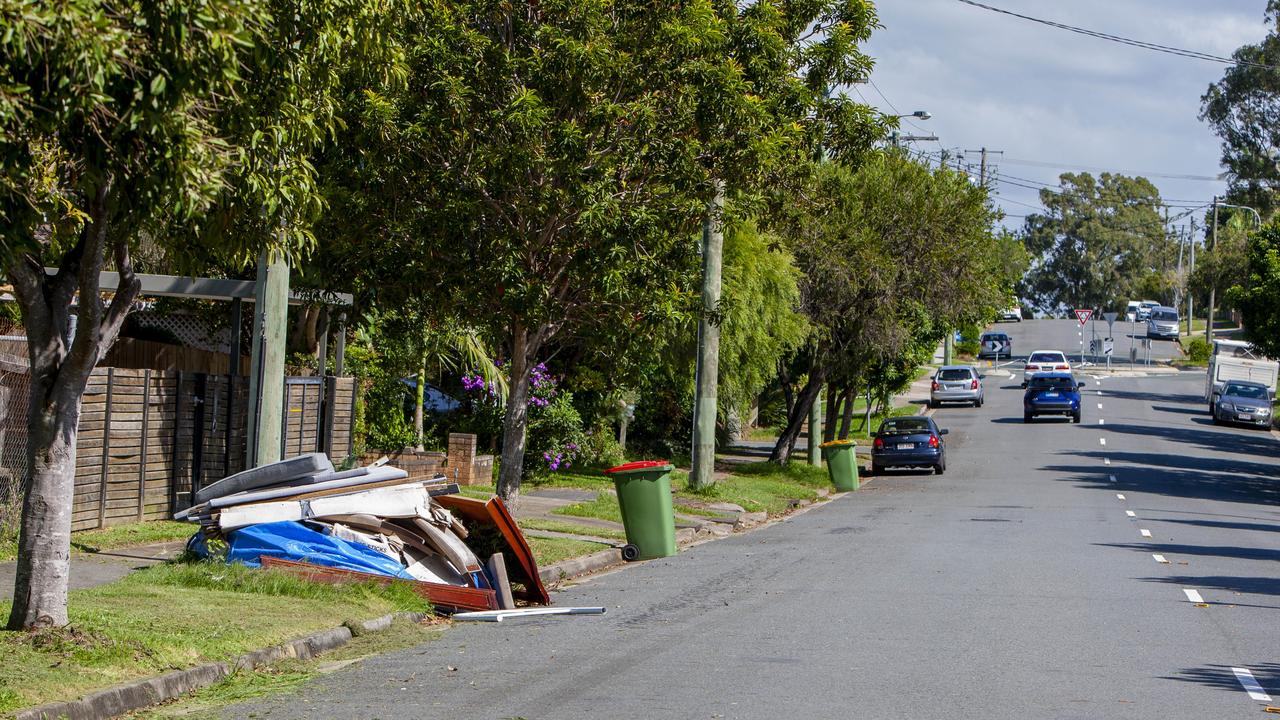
1083 315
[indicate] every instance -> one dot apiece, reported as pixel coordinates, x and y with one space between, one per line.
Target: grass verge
549 551
288 676
176 616
566 526
113 538
762 486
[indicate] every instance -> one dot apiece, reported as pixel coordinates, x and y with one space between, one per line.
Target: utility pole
1191 299
708 368
983 172
1213 286
266 379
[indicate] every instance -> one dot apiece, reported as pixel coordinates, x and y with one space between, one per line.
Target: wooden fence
149 438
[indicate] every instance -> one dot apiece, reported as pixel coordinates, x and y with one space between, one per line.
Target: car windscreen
1057 383
905 425
1046 358
1164 315
955 374
1246 391
994 336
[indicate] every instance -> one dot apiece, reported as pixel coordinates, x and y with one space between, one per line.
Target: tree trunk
847 420
515 422
795 422
419 400
61 362
784 380
833 410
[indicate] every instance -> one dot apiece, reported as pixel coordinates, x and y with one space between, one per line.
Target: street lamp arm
1256 215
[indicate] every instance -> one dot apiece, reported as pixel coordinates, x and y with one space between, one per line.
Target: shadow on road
1220 676
1222 524
1256 444
1230 583
1152 397
1225 480
1180 410
1226 551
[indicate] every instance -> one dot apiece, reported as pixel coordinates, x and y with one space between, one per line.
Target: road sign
1110 317
1108 346
1083 316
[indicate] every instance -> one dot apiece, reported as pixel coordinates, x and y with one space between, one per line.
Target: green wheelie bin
644 495
842 464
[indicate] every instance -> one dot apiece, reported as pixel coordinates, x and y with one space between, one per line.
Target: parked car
956 383
1162 322
1242 401
1044 361
909 441
1056 393
995 344
1144 309
1014 313
1131 310
1237 360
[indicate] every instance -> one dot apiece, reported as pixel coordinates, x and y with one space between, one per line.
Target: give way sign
1083 316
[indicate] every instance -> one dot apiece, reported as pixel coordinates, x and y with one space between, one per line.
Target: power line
1171 202
1193 54
1061 166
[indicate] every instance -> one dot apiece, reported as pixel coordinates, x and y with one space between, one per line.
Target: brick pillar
462 457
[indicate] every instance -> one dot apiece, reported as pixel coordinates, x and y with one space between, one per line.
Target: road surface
1124 567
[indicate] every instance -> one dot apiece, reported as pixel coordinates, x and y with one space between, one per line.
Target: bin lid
639 465
836 443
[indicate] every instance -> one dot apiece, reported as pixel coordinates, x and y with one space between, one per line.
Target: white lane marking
1251 684
1192 595
1101 421
1113 478
1160 558
1099 392
1102 441
1099 406
1144 532
1119 496
1130 513
1106 461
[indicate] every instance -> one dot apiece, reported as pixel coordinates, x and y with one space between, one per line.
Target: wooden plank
106 449
146 432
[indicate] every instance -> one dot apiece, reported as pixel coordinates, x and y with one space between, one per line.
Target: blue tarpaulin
295 541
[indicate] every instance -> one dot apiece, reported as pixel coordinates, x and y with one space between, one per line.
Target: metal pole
815 430
1191 300
707 373
1213 286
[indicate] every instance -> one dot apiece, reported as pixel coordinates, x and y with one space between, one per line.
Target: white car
1013 313
1044 361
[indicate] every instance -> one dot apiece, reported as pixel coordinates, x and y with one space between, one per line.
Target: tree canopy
1259 295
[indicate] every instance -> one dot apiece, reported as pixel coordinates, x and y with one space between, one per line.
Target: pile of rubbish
370 523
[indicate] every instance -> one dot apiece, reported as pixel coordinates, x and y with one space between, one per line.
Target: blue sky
1047 96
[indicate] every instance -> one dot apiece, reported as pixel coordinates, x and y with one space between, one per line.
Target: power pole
266 379
708 368
1213 287
982 180
1191 299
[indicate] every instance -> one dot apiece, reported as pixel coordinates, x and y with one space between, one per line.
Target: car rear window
955 374
1044 357
1164 315
909 425
995 336
1246 391
1041 381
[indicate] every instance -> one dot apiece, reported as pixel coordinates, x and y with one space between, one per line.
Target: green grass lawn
566 526
549 551
114 538
176 616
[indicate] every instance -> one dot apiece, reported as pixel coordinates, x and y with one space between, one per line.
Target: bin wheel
630 552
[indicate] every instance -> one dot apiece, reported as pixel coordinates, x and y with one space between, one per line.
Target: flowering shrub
555 433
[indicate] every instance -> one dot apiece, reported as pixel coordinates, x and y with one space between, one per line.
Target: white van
1236 360
1162 322
1131 311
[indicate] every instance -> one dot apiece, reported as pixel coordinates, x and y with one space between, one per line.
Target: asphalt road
1065 335
1019 584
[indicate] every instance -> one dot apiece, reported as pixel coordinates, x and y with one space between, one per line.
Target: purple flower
571 446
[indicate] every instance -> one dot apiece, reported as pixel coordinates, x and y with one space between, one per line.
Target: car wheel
940 468
1216 420
1075 418
977 403
1026 417
877 469
931 404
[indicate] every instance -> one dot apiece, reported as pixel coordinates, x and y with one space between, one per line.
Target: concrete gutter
138 694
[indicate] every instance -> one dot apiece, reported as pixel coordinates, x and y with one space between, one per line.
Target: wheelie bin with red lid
644 496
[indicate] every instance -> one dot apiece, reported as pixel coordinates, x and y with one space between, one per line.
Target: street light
1256 216
919 115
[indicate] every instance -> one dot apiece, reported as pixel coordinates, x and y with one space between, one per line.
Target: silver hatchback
956 383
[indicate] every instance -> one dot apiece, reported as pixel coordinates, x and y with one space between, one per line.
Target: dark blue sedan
910 441
1055 393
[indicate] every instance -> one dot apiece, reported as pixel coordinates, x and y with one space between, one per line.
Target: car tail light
933 441
934 386
1063 367
879 444
1029 368
973 385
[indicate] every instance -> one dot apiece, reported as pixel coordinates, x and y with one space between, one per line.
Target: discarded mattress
266 475
350 479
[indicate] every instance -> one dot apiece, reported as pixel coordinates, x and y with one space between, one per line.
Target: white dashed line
1099 392
1099 406
1113 478
1130 513
1144 532
1192 595
1106 461
1102 441
1119 496
1250 684
1101 421
1160 558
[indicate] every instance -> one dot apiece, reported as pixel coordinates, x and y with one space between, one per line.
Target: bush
1198 350
555 435
602 449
